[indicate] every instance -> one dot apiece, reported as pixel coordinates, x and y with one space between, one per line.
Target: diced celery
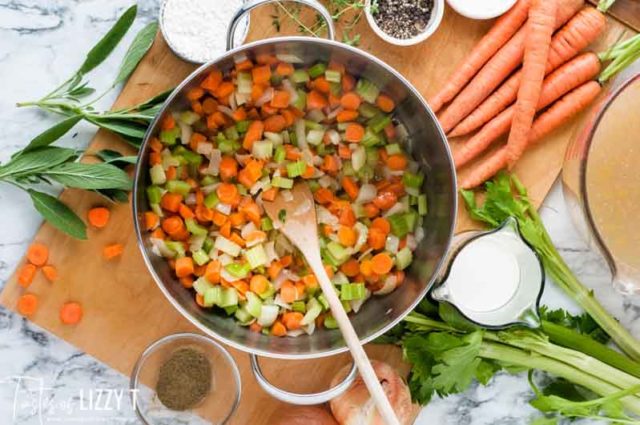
399 225
266 224
372 157
207 180
295 169
254 304
330 322
412 180
237 270
244 82
313 310
157 174
231 309
256 256
176 247
299 306
154 194
226 146
231 133
228 247
207 244
393 149
200 257
352 291
192 157
178 186
156 208
168 137
422 205
202 285
280 154
189 117
412 219
268 293
315 136
282 182
347 168
242 126
243 316
212 296
300 76
379 122
317 70
367 90
358 158
332 76
262 149
313 185
404 258
194 228
268 315
370 138
339 279
338 252
229 298
301 100
211 200
323 301
367 110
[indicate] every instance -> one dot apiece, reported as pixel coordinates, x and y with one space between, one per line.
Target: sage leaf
58 214
138 48
52 134
155 100
116 158
109 41
90 176
36 161
114 195
121 126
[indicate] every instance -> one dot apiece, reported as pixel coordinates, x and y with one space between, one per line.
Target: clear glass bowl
217 406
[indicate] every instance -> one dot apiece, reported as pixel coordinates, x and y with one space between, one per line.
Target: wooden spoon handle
357 352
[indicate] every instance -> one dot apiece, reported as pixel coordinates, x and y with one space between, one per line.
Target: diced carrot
366 267
348 83
310 281
347 236
382 224
275 123
270 194
292 320
347 217
200 300
209 105
280 99
167 122
354 133
351 187
224 89
390 131
315 100
225 229
228 193
158 234
196 139
71 313
265 58
346 116
218 218
385 103
397 162
212 81
385 200
288 292
252 211
350 268
27 304
382 263
184 267
234 237
212 272
258 284
344 152
26 274
171 201
228 168
241 286
255 327
38 254
112 251
156 145
237 219
323 196
284 69
330 164
155 158
196 107
186 212
322 85
278 329
50 273
376 238
254 133
274 269
309 172
261 74
245 65
350 101
371 210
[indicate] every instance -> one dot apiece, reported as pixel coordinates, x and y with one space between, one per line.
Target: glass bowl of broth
601 179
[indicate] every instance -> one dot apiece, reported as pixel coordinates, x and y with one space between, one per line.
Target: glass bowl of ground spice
185 378
404 22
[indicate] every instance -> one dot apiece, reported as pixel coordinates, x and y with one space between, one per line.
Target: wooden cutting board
125 311
626 11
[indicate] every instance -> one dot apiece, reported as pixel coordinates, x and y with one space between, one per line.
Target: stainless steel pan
428 145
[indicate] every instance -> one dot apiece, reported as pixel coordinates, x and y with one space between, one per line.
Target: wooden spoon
300 226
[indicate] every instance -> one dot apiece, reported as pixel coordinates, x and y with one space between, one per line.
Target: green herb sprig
40 164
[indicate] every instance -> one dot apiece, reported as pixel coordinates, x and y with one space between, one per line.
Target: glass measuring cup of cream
601 180
494 279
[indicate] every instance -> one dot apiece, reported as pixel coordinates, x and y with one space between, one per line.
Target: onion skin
355 406
302 415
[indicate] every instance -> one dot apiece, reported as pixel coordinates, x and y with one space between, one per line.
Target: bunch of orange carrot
490 96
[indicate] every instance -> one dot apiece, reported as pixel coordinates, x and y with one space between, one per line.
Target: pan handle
301 399
252 4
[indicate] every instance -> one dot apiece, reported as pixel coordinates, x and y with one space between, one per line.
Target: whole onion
302 415
356 407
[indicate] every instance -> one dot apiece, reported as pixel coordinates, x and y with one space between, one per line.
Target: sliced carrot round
38 254
98 217
27 304
71 313
382 263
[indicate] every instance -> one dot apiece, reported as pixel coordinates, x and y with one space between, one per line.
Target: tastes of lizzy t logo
27 400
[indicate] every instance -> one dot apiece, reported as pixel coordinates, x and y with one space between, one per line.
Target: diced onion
287 195
247 229
366 194
334 136
191 199
334 113
301 136
324 216
204 148
214 162
224 208
185 133
398 207
266 97
225 110
293 94
388 286
196 242
392 244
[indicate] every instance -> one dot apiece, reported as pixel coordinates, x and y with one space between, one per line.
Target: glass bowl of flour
196 30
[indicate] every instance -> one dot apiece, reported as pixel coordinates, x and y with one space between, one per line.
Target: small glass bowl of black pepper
185 378
404 22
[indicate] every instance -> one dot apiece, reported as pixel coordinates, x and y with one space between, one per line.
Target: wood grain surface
125 311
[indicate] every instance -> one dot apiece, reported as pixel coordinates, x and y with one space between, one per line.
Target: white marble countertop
43 41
